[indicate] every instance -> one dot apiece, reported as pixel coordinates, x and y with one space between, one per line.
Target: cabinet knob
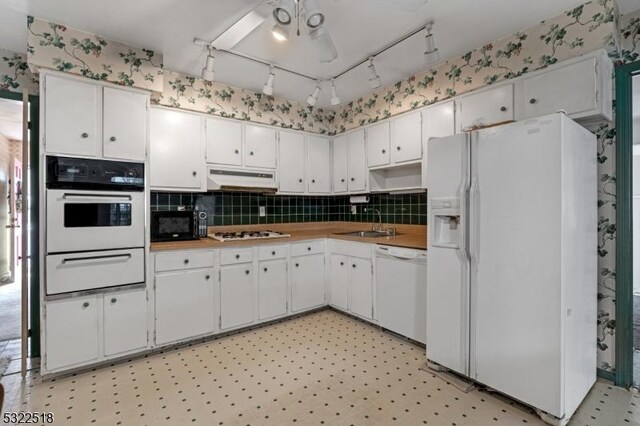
236 151
186 261
341 263
313 181
207 277
300 180
503 109
353 266
273 253
246 272
237 256
85 305
112 138
384 151
84 135
297 264
352 179
341 180
398 148
308 248
533 100
265 269
114 300
194 173
251 153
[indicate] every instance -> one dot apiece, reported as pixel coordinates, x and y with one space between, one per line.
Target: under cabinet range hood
241 180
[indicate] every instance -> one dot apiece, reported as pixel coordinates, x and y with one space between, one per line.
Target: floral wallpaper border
15 74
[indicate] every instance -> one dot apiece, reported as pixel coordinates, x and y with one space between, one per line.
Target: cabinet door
307 282
572 89
378 144
357 162
291 165
224 142
340 164
361 292
437 121
71 327
319 164
260 146
176 158
184 305
272 289
339 281
72 117
124 130
406 137
236 296
125 321
485 108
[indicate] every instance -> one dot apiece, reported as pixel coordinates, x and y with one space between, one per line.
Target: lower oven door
94 220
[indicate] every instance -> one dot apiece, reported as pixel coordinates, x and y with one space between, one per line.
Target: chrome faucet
380 228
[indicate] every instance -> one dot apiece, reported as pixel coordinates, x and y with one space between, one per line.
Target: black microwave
173 225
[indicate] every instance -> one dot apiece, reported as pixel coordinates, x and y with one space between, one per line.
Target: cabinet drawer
183 260
309 247
351 249
85 271
272 252
240 255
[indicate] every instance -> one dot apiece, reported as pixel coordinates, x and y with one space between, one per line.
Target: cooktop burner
246 235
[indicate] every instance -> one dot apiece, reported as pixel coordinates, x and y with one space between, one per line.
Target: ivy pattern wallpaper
15 74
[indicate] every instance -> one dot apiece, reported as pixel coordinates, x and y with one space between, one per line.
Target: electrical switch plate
354 209
262 211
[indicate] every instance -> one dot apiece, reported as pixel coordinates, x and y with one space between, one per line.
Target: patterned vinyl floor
322 368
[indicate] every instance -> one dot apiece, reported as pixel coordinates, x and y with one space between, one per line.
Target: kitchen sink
368 234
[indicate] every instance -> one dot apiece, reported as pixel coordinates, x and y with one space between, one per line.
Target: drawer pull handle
246 272
186 261
533 100
207 277
265 269
110 256
237 256
114 300
85 305
84 135
112 138
503 109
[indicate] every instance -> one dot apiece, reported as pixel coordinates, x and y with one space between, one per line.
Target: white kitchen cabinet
339 286
184 305
71 332
437 121
357 161
236 296
125 321
340 165
318 164
307 282
378 144
361 288
406 137
485 108
272 289
224 141
124 130
291 168
176 151
72 116
260 146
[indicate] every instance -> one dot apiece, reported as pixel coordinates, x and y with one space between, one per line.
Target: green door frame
624 224
34 282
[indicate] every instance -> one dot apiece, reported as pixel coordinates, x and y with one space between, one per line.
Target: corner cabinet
176 151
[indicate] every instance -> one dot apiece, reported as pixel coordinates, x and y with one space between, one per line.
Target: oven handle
110 256
68 195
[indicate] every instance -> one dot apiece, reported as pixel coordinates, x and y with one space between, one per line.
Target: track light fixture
268 86
431 52
207 72
280 32
284 12
374 78
313 98
314 18
335 99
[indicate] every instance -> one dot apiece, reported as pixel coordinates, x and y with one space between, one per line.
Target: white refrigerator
512 255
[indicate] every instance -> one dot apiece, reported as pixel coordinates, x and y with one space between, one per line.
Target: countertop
409 236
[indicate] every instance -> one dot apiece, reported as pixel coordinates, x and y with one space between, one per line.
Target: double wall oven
95 224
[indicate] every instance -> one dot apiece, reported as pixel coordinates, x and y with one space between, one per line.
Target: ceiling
358 28
11 119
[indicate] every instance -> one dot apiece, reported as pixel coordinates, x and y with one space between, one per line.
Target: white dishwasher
401 287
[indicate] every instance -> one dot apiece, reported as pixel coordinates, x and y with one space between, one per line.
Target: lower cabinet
236 295
125 321
339 281
352 278
272 289
361 287
184 305
307 282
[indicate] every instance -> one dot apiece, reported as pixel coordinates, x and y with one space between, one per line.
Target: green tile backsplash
229 208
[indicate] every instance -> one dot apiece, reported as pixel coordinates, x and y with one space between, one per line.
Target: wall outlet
262 211
354 209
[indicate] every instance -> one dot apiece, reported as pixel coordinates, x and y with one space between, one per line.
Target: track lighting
283 12
431 53
314 18
374 78
280 32
268 86
207 72
326 49
313 98
335 99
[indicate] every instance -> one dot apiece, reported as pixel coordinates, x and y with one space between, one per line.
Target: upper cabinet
357 161
485 108
291 168
377 136
340 165
437 121
319 164
176 150
88 119
260 146
406 137
232 143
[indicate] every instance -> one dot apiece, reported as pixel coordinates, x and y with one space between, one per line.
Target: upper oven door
94 220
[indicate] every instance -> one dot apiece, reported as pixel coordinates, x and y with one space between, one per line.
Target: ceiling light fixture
431 53
322 40
207 72
313 98
374 78
314 18
283 12
280 32
268 86
335 99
